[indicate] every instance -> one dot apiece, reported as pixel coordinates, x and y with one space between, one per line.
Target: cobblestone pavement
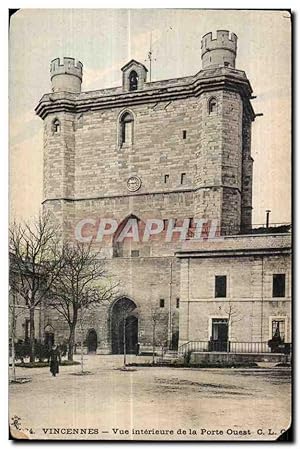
109 402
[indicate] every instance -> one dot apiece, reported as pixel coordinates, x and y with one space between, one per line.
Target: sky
104 40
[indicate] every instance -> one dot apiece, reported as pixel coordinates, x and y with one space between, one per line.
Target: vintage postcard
150 224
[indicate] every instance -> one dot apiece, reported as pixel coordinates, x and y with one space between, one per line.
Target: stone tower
224 165
187 142
59 141
175 150
66 77
218 52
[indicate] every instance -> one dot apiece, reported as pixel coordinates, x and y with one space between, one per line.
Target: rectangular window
184 134
135 253
278 285
166 178
165 224
177 303
220 286
161 303
182 179
278 329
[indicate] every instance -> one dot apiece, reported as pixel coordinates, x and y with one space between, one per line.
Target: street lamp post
268 211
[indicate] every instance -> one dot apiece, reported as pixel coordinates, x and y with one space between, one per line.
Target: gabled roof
133 61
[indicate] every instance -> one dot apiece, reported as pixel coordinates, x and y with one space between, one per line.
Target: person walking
54 360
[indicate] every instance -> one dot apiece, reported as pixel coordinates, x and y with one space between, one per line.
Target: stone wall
179 150
249 305
158 148
145 281
189 162
247 175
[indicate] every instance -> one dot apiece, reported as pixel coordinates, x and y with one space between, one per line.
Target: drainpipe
262 300
188 304
170 308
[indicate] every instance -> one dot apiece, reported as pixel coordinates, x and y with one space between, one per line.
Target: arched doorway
124 323
92 342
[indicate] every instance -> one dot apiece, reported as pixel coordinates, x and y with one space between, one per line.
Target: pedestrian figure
54 360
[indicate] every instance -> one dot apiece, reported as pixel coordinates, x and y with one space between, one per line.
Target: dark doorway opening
49 339
219 338
124 326
92 342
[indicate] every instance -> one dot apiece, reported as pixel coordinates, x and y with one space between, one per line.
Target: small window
212 106
165 223
220 286
278 329
182 178
177 303
126 129
135 253
133 80
166 178
161 303
56 126
226 64
278 285
184 134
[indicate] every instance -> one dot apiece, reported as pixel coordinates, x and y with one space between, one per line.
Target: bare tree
81 320
16 310
154 313
82 284
34 265
233 317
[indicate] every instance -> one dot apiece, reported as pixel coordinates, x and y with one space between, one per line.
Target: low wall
198 358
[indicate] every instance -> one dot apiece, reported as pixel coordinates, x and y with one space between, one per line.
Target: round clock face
134 183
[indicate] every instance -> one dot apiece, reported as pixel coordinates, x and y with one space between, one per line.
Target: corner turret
66 77
220 51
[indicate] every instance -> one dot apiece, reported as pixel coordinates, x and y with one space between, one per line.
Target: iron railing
232 347
262 228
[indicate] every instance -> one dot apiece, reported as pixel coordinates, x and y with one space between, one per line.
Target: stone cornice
169 90
135 194
240 252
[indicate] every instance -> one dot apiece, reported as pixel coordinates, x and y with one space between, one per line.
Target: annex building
179 151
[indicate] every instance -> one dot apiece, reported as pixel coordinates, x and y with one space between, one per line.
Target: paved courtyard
151 403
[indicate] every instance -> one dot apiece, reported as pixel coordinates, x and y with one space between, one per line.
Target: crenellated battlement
66 75
68 66
219 50
223 39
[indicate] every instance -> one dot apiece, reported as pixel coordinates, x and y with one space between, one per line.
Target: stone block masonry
170 149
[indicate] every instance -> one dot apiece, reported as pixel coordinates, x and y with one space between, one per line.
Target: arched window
56 126
133 80
126 129
212 105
